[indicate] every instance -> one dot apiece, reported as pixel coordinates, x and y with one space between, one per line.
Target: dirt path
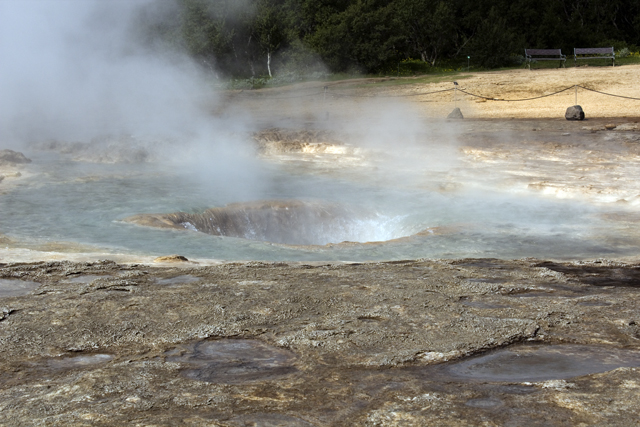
519 84
310 101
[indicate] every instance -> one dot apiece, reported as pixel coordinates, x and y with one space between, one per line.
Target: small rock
4 313
12 157
610 126
556 384
574 113
455 114
627 126
171 258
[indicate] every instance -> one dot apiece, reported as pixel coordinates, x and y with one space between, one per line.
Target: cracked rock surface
310 344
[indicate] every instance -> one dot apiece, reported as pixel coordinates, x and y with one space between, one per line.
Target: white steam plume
73 70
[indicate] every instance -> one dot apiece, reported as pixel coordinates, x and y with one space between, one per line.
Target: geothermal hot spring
288 200
178 178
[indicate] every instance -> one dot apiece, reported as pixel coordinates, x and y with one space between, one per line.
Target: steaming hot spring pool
292 211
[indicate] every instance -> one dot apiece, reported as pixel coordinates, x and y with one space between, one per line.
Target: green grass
424 79
570 63
416 72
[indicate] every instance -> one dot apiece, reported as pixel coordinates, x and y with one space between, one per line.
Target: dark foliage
251 38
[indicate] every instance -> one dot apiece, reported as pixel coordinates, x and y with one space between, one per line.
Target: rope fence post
324 102
455 94
575 112
456 113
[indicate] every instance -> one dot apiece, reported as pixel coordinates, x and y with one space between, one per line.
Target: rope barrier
516 100
608 94
341 95
284 97
390 96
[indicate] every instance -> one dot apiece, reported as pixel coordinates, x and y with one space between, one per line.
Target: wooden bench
594 53
544 55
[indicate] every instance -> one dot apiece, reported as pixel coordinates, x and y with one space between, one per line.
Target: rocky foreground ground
313 345
419 342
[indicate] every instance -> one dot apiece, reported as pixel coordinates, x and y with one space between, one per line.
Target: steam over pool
410 189
290 222
85 204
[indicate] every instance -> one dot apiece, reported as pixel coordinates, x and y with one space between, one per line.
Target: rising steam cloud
74 70
80 70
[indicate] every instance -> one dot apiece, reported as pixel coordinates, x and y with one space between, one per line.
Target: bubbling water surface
85 204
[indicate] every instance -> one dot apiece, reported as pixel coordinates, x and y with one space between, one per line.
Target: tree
204 30
368 35
495 42
364 36
269 28
431 28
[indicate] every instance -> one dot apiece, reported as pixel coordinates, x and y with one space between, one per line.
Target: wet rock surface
233 361
9 288
291 222
10 157
542 363
106 149
390 343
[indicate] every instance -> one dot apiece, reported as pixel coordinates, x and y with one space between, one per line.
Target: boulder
171 258
10 157
455 114
574 113
628 126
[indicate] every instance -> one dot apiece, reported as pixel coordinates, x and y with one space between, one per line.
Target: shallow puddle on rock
484 403
487 280
86 278
268 420
536 295
495 264
482 305
542 363
594 303
233 361
177 280
15 287
80 361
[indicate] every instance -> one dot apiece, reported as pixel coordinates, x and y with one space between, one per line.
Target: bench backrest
538 52
593 51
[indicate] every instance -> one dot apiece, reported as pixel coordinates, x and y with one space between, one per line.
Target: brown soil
310 102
